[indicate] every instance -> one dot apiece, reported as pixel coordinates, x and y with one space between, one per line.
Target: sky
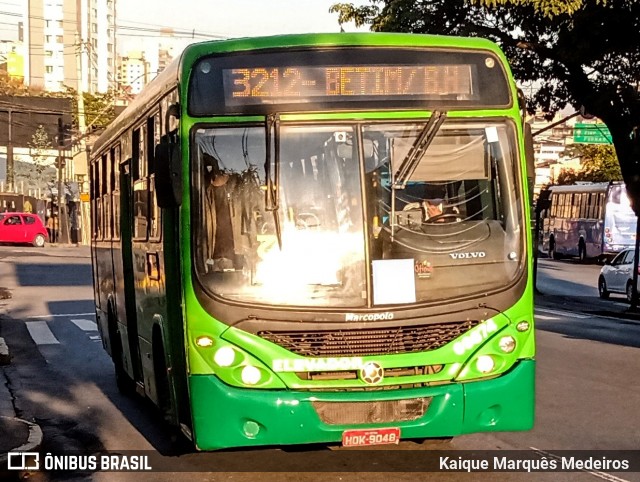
139 21
224 18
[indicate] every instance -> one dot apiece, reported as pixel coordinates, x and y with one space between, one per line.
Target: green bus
320 239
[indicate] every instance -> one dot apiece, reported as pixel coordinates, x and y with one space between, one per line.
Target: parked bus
320 238
588 220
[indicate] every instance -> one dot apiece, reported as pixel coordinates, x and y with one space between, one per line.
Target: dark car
22 228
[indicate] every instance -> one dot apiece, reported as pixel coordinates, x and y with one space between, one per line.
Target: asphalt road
587 394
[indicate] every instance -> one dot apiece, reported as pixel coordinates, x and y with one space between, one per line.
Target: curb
33 440
5 357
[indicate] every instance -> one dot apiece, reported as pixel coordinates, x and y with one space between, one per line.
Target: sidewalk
15 434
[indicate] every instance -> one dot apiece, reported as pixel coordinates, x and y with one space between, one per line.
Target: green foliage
583 53
599 164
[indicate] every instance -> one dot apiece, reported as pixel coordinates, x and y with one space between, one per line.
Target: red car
22 228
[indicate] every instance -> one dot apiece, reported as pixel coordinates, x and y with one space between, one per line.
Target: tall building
134 72
58 31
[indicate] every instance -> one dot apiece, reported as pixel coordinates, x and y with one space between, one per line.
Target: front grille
388 373
372 341
387 411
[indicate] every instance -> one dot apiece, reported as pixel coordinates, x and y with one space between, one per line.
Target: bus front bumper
225 416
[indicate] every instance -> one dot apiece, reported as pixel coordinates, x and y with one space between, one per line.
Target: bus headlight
485 364
225 356
507 344
250 375
204 341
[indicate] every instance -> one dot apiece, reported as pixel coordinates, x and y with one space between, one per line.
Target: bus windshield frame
329 240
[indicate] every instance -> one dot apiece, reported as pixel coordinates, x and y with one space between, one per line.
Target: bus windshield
326 225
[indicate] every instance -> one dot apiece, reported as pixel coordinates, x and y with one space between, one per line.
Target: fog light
507 344
484 364
225 356
522 326
250 375
204 341
251 428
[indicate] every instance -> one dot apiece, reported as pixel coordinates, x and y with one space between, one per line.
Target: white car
617 276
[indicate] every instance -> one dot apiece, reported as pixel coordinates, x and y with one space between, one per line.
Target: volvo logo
475 254
372 373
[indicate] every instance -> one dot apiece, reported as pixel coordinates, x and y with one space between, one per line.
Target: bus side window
140 194
115 185
153 139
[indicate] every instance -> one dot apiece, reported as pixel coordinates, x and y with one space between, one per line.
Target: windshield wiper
271 201
410 162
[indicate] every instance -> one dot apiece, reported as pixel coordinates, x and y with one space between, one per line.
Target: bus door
126 285
147 255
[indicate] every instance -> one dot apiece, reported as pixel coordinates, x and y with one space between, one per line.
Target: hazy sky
140 20
226 18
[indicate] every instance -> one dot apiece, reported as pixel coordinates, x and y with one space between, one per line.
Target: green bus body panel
282 407
220 412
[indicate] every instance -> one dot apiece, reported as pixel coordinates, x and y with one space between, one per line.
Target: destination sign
294 84
347 78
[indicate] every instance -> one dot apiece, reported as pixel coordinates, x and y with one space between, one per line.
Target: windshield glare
296 232
316 256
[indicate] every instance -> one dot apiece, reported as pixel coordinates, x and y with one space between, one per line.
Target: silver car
617 276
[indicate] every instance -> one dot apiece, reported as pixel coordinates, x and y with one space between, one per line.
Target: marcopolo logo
472 255
317 364
387 315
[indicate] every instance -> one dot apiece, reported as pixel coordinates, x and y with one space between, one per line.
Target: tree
599 163
39 148
586 55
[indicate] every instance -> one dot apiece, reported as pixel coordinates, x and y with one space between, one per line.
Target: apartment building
57 32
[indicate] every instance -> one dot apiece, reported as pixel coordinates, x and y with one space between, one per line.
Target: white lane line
61 315
85 325
595 473
562 313
40 333
95 338
544 317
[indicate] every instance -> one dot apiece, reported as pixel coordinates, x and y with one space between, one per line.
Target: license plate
379 436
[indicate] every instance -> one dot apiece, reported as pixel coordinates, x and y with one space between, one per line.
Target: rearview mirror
168 174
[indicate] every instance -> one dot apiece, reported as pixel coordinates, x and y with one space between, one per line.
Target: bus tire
161 374
125 384
552 249
602 288
582 251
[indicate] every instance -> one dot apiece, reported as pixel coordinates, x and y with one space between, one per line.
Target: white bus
588 220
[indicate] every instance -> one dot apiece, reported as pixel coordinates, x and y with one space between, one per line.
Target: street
61 377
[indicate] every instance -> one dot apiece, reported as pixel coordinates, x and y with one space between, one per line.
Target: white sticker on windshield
393 281
491 133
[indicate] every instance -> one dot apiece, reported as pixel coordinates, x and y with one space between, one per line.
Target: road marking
562 313
544 317
95 338
61 315
85 325
595 473
40 333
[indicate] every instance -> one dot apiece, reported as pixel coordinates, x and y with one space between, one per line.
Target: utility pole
63 229
81 137
10 164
